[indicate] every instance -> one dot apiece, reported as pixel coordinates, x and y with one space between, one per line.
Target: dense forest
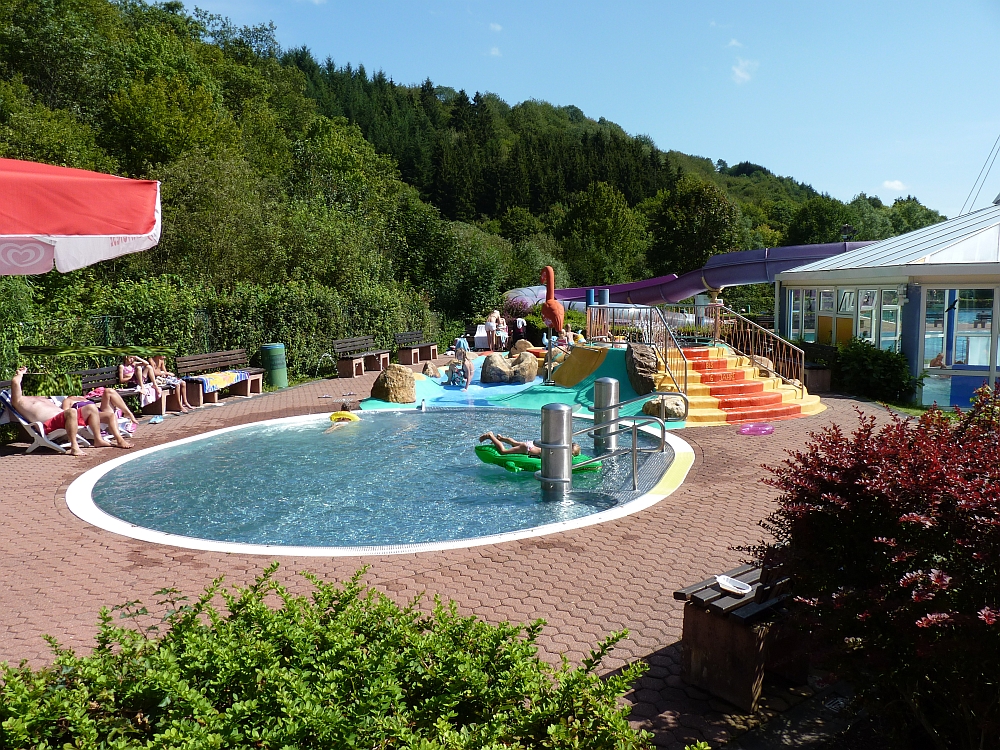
304 201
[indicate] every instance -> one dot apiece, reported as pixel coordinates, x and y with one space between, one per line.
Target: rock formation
642 368
395 384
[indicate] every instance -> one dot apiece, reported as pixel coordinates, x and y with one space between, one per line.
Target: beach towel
216 381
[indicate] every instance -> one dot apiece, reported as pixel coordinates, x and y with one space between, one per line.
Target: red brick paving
58 571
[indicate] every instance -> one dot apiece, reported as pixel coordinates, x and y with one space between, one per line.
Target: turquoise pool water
393 478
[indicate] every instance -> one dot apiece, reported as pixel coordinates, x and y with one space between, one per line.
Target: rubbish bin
272 359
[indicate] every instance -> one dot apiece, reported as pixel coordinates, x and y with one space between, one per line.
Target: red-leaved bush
892 538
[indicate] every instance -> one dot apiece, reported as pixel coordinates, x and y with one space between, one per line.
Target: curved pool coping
81 504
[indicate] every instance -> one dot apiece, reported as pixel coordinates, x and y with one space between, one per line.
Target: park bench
411 349
731 640
107 377
208 374
357 355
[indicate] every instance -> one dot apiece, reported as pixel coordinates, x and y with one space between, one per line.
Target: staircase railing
619 326
764 348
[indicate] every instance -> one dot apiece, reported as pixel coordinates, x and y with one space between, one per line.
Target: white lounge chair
35 430
480 341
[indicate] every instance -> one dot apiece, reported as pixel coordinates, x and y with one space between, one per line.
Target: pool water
393 478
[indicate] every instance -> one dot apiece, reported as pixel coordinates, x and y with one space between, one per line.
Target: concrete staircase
724 388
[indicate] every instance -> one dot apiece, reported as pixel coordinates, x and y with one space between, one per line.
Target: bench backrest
357 344
195 363
410 337
100 377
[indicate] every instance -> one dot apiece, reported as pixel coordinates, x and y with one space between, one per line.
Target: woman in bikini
136 371
506 445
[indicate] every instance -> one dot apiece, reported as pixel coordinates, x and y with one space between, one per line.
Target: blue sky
888 98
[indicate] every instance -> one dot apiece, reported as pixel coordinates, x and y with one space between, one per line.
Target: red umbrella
71 218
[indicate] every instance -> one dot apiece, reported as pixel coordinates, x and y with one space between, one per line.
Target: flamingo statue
552 311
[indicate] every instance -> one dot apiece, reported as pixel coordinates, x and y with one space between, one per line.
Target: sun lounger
35 430
481 341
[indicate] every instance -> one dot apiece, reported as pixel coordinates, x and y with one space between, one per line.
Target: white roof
971 238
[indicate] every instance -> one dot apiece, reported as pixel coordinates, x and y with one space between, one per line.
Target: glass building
932 294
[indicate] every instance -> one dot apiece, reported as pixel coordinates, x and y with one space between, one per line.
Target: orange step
765 398
735 387
701 365
722 376
762 413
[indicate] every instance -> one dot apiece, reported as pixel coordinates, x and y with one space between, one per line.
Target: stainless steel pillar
605 396
556 475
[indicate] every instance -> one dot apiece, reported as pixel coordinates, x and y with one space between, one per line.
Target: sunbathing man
42 409
506 445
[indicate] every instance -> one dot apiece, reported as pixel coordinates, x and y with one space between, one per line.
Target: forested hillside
304 201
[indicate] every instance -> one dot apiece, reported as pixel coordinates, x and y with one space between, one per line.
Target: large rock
673 407
496 369
521 345
431 370
642 368
395 384
525 368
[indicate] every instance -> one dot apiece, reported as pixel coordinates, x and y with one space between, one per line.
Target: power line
962 211
984 180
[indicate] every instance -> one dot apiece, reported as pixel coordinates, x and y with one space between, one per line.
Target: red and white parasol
71 218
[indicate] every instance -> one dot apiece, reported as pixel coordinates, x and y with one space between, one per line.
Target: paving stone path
58 571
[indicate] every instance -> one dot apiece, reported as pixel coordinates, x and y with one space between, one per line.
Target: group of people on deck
103 409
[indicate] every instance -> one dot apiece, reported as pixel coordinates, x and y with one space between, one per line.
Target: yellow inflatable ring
344 416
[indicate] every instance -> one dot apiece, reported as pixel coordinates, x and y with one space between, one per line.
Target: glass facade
958 340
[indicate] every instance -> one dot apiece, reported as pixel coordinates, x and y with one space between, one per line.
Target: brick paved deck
57 571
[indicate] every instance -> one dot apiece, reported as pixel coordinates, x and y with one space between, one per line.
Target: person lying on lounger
69 417
506 445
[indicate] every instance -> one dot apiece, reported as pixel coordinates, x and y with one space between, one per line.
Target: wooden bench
107 377
193 365
358 355
410 352
729 640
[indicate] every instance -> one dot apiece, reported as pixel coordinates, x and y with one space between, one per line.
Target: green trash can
272 359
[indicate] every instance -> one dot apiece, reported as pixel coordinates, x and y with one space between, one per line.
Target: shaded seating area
411 349
358 355
209 374
730 638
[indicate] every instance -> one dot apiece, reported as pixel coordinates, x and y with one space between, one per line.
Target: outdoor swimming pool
395 478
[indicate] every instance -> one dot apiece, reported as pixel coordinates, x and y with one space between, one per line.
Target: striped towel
216 381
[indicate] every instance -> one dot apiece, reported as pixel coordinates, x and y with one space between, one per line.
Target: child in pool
506 445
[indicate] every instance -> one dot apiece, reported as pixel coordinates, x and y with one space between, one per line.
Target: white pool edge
80 502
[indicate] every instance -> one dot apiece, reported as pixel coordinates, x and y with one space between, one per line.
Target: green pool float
517 462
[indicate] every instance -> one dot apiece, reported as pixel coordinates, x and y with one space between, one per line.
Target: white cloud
496 27
495 51
896 185
743 69
734 43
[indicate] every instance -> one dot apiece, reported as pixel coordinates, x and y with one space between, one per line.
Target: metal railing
633 449
641 324
762 347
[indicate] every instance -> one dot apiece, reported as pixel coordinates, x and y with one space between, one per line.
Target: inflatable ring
344 416
518 462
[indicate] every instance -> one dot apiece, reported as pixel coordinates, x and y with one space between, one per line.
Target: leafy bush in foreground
892 539
344 667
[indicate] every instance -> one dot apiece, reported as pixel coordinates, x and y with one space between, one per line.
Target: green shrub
536 327
865 370
345 667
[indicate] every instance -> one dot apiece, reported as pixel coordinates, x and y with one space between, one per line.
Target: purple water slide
728 269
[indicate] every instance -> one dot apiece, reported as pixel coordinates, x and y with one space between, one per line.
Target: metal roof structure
973 238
